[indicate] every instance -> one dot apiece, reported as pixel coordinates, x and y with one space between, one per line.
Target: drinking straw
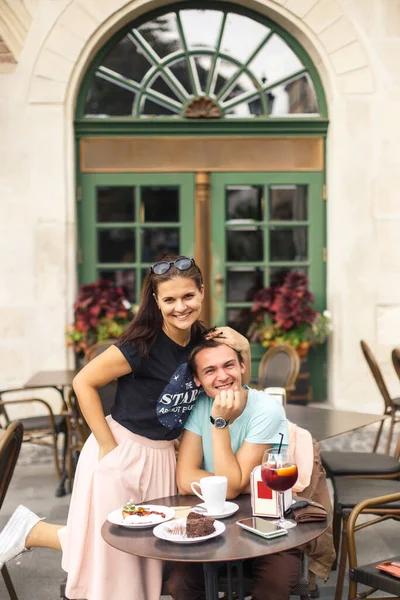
280 445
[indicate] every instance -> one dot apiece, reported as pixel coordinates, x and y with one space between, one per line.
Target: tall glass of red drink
279 473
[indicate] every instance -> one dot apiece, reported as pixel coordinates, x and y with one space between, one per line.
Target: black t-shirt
156 398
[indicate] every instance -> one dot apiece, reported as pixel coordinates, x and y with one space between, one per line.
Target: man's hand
229 404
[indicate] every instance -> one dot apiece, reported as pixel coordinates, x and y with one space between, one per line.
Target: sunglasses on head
182 264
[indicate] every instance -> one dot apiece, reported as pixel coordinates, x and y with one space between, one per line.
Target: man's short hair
205 344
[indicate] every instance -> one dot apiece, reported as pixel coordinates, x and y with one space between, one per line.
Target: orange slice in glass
287 471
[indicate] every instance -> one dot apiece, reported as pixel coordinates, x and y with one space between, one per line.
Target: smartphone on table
266 529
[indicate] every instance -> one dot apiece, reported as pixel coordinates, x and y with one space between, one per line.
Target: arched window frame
262 125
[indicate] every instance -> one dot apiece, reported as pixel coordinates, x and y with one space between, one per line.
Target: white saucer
230 509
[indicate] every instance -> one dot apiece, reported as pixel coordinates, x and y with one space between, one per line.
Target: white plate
229 509
161 531
136 522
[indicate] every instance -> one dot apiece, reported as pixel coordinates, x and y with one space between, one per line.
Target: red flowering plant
283 314
101 312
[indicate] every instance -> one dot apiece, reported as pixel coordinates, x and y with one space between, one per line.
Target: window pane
239 319
115 204
246 109
181 72
278 274
162 86
243 283
296 96
160 204
241 36
201 27
275 61
153 109
244 202
223 72
122 278
106 99
116 245
162 34
157 242
203 66
244 244
288 202
127 60
242 84
288 243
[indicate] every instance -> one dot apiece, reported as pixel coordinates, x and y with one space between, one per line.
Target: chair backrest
98 348
279 367
10 445
107 392
376 372
396 360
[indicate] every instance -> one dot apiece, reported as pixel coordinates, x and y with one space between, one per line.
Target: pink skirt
137 468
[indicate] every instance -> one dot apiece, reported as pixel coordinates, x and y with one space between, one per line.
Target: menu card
264 501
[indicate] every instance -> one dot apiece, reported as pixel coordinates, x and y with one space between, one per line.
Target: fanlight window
201 63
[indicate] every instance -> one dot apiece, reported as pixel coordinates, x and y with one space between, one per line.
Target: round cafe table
232 547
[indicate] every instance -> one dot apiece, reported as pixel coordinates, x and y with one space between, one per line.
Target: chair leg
352 590
55 455
343 560
378 437
9 584
336 530
390 434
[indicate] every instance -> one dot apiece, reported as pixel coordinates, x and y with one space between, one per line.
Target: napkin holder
264 501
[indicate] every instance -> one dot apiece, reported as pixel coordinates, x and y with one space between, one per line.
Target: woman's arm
238 342
103 369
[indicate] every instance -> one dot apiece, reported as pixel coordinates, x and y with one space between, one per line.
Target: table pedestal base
211 580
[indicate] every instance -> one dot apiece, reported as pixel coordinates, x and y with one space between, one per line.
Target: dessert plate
135 521
175 532
229 509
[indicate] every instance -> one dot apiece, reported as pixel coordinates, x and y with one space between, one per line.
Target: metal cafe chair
10 446
367 465
43 429
369 575
279 367
349 494
392 405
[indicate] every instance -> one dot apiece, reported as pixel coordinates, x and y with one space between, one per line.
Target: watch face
220 423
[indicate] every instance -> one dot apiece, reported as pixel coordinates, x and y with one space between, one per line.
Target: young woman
130 454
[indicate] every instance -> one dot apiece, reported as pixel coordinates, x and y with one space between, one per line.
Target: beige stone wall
355 45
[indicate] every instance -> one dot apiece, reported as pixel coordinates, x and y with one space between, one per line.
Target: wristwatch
219 422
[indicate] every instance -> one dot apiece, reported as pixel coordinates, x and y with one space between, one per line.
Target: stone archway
335 47
321 26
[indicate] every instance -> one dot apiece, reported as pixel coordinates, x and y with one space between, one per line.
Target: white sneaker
14 534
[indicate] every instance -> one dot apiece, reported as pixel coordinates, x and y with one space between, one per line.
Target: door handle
219 285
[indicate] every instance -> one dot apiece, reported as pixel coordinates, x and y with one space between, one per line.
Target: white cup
213 493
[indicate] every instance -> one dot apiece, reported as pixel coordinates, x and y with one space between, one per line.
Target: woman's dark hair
205 344
148 321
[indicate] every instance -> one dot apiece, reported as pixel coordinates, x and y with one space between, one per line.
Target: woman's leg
25 530
43 535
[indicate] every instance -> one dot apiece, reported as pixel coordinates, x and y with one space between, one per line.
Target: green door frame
315 262
88 224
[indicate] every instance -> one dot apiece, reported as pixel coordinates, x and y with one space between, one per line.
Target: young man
226 434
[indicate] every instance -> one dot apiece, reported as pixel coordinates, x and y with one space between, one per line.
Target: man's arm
236 467
190 458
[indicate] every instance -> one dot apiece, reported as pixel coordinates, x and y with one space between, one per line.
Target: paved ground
37 575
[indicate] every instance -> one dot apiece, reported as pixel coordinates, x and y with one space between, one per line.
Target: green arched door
193 90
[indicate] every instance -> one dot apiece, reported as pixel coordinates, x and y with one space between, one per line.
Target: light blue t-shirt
261 422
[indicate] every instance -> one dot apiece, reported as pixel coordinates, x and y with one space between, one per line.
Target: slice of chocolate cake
198 525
